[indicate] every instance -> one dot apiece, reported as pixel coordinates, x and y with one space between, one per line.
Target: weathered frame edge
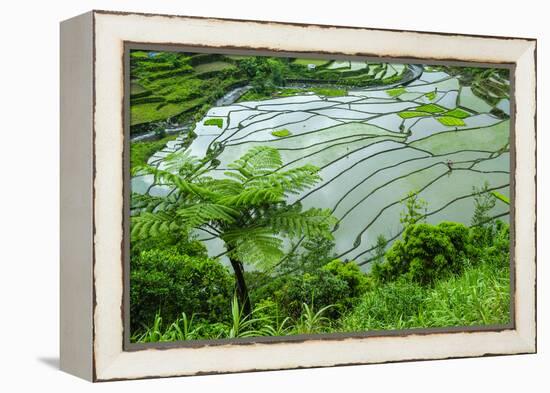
529 351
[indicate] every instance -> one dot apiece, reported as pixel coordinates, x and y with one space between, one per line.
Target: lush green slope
175 85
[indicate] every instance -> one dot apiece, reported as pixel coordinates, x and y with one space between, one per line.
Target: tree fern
247 209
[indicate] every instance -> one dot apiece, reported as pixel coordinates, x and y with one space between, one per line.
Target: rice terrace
275 196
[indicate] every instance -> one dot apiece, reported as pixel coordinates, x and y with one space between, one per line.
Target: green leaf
257 246
254 197
152 225
258 160
501 197
294 222
196 215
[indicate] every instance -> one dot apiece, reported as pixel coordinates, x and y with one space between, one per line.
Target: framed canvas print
246 195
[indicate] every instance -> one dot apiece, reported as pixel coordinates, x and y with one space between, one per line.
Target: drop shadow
52 362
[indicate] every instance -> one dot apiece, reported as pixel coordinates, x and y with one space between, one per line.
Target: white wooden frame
92 140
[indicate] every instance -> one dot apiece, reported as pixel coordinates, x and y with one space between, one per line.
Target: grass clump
478 296
450 121
214 122
281 133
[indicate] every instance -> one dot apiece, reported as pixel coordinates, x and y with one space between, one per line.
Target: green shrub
336 283
169 283
350 272
492 242
425 253
318 288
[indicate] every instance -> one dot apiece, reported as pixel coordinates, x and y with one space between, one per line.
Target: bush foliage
167 283
425 253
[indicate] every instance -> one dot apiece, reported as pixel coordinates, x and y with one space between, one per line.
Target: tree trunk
242 290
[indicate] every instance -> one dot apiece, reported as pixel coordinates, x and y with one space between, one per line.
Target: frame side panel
76 191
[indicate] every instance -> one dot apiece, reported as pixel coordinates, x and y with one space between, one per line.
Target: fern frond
200 214
222 187
181 162
256 246
152 225
145 201
257 161
310 223
292 181
254 197
236 175
164 177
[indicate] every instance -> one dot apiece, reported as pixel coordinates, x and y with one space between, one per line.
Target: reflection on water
361 142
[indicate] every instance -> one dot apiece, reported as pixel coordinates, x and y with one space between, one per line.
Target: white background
29 197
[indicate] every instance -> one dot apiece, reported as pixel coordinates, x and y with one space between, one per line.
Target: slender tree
247 209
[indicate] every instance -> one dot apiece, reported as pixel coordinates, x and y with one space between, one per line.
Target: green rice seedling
430 108
214 122
431 95
458 113
281 133
411 114
396 92
451 121
305 62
